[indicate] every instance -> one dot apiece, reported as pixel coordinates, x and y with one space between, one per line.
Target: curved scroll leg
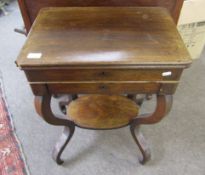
62 143
164 103
42 104
142 144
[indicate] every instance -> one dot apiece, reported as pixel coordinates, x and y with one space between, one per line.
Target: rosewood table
112 54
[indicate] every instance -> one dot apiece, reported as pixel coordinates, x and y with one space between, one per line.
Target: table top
104 36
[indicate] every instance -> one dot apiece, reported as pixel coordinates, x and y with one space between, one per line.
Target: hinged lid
104 36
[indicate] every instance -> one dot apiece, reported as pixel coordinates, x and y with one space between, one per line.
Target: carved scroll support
163 106
43 108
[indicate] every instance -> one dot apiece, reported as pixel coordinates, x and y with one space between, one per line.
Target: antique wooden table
103 50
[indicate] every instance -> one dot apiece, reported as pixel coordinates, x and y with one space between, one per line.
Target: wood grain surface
102 111
104 36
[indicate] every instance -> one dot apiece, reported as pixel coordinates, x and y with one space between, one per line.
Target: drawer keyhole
102 73
103 87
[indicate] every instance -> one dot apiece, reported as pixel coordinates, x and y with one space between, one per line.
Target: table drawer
58 75
111 88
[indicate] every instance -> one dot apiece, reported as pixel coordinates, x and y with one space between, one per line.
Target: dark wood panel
109 88
30 8
167 88
103 88
38 89
49 75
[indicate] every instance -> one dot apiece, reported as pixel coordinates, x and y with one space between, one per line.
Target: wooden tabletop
103 36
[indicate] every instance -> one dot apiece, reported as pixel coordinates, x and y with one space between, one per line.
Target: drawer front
111 88
57 75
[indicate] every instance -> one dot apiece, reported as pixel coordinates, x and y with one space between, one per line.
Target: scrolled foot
164 103
61 144
142 144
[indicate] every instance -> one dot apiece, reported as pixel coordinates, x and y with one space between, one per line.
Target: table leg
42 104
164 103
142 144
62 143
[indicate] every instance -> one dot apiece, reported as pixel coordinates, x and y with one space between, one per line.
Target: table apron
104 88
103 74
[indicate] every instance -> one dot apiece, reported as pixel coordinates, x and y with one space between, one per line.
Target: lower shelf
102 111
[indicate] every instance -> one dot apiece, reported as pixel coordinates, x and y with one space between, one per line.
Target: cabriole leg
164 103
62 143
42 104
142 144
